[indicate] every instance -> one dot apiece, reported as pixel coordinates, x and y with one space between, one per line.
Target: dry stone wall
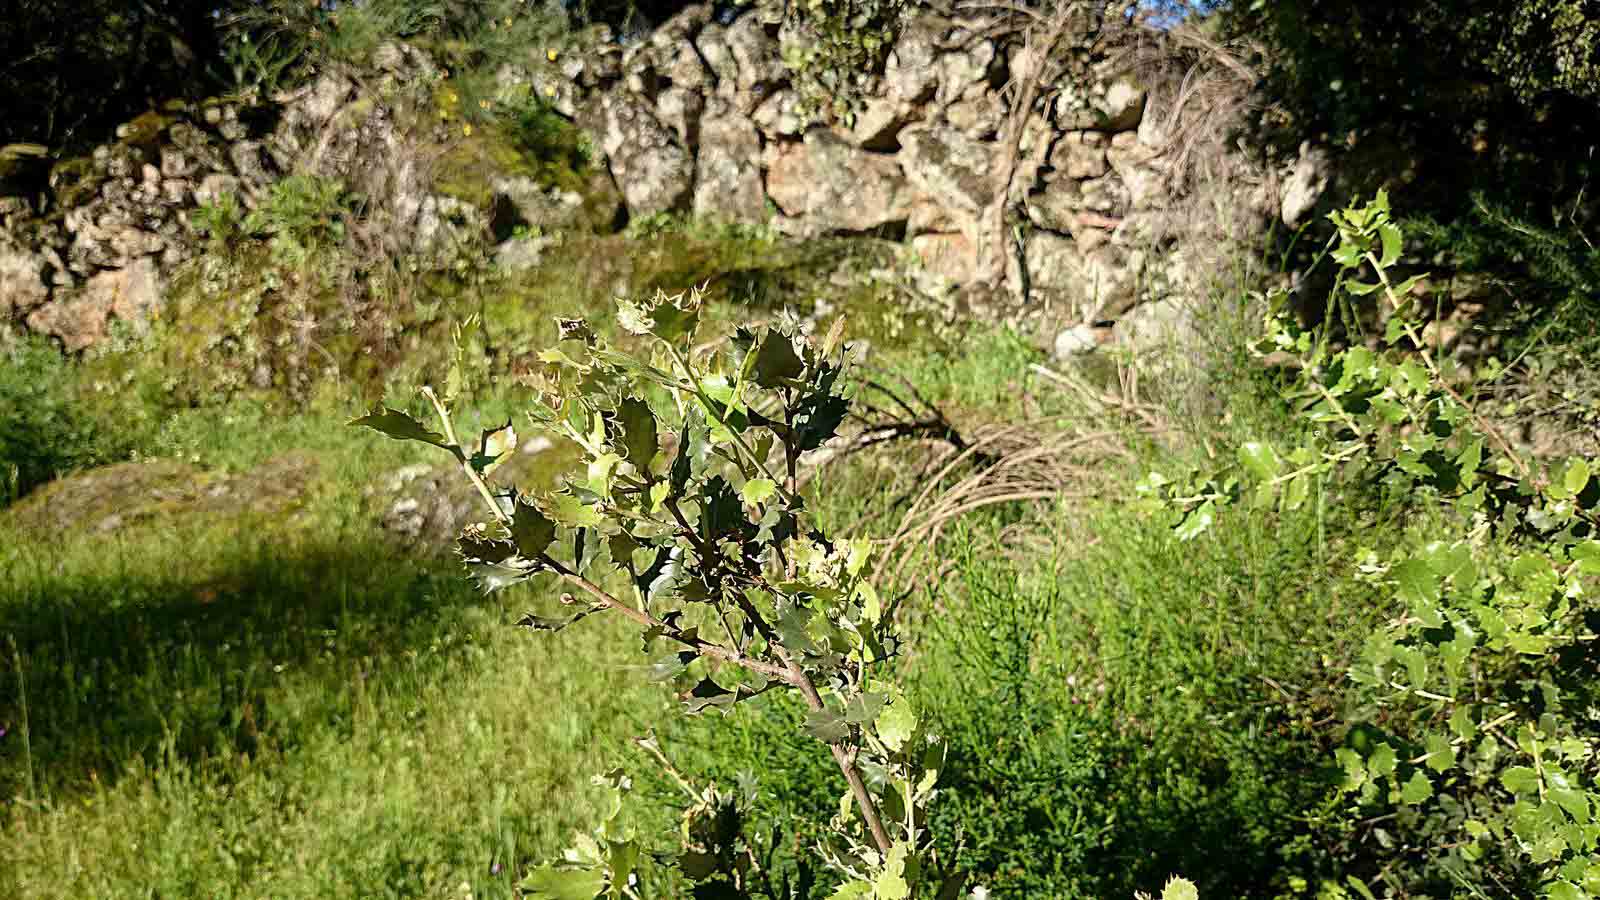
697 117
702 117
103 238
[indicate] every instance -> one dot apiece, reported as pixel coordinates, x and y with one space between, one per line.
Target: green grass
285 701
264 694
231 704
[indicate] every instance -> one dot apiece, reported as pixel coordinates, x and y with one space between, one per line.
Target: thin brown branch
698 645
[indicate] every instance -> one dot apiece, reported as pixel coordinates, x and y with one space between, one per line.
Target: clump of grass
42 433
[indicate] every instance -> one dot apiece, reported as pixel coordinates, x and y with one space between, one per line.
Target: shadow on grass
202 646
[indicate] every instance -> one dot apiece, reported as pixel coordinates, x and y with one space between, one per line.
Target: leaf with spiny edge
495 446
400 426
575 330
639 438
531 529
708 694
493 563
666 317
776 363
556 623
827 726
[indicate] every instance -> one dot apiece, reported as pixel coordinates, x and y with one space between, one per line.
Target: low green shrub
1469 732
1117 711
43 432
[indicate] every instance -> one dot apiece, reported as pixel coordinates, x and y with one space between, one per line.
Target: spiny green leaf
495 446
864 708
1259 459
1383 761
400 426
827 726
668 318
1576 477
1587 556
493 562
549 883
556 623
776 361
1390 235
1394 329
1416 583
1520 780
531 529
708 694
1417 789
1574 801
639 437
1441 755
1196 522
1180 889
1297 491
1355 770
658 576
891 883
1565 890
568 510
1403 289
757 491
897 724
574 330
817 421
721 513
793 626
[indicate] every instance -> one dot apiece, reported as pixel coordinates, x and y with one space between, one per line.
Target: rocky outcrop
654 170
127 294
703 117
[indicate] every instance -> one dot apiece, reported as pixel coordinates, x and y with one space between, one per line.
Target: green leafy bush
843 45
1470 756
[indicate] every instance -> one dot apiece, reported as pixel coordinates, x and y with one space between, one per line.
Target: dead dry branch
947 473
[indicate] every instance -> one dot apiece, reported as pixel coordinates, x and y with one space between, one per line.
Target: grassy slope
270 696
287 703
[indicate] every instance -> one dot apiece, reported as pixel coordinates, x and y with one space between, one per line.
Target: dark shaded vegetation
1485 117
72 70
43 432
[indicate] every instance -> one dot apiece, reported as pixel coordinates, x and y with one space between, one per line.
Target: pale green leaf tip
1180 889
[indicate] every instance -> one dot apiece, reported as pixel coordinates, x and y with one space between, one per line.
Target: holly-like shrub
1469 754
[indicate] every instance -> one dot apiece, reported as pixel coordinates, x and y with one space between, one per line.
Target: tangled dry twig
953 472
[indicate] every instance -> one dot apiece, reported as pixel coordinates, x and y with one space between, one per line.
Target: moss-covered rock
112 498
